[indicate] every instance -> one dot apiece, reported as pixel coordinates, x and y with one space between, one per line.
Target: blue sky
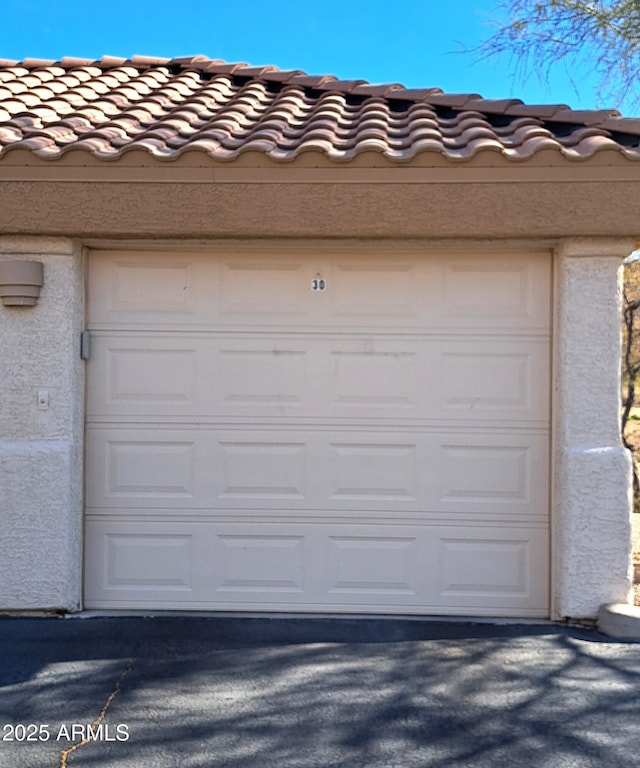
418 44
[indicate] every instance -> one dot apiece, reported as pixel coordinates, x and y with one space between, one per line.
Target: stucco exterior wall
41 449
316 209
592 505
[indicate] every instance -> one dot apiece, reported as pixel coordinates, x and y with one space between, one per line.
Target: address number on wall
318 284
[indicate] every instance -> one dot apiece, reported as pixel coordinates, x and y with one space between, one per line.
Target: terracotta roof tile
148 61
343 86
222 68
450 100
167 107
541 111
382 90
588 117
311 81
414 94
622 124
281 76
111 61
9 134
36 63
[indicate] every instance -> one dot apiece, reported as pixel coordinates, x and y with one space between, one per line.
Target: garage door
317 430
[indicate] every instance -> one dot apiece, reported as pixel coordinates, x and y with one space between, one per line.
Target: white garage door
318 431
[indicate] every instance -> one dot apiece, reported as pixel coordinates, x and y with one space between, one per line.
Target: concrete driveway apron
272 693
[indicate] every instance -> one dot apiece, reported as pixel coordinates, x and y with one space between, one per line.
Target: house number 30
318 284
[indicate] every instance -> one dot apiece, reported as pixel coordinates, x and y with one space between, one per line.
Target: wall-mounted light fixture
20 282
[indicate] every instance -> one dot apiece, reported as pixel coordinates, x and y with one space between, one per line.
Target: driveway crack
94 725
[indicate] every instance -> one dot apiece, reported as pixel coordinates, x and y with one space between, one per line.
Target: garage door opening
318 430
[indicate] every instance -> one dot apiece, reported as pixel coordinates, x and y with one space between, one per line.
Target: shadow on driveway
257 693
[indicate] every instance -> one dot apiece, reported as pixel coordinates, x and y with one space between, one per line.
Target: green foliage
602 37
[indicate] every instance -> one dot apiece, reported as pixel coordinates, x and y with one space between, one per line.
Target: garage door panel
489 473
198 469
381 288
507 292
501 566
386 376
161 561
493 567
493 380
372 471
485 472
153 470
263 379
140 287
321 567
182 376
273 377
363 567
362 470
136 467
151 289
269 287
254 562
138 376
278 376
285 428
486 290
269 470
155 563
321 377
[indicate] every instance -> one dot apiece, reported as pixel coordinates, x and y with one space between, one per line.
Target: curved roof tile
167 107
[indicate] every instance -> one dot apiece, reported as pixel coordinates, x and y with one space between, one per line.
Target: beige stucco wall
544 205
195 197
591 508
41 450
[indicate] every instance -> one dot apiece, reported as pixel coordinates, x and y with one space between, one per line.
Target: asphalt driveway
274 693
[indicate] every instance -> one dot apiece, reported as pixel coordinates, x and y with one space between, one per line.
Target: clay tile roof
166 107
35 63
222 68
149 61
281 75
345 86
311 81
622 124
451 100
382 90
417 94
587 117
254 72
541 111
